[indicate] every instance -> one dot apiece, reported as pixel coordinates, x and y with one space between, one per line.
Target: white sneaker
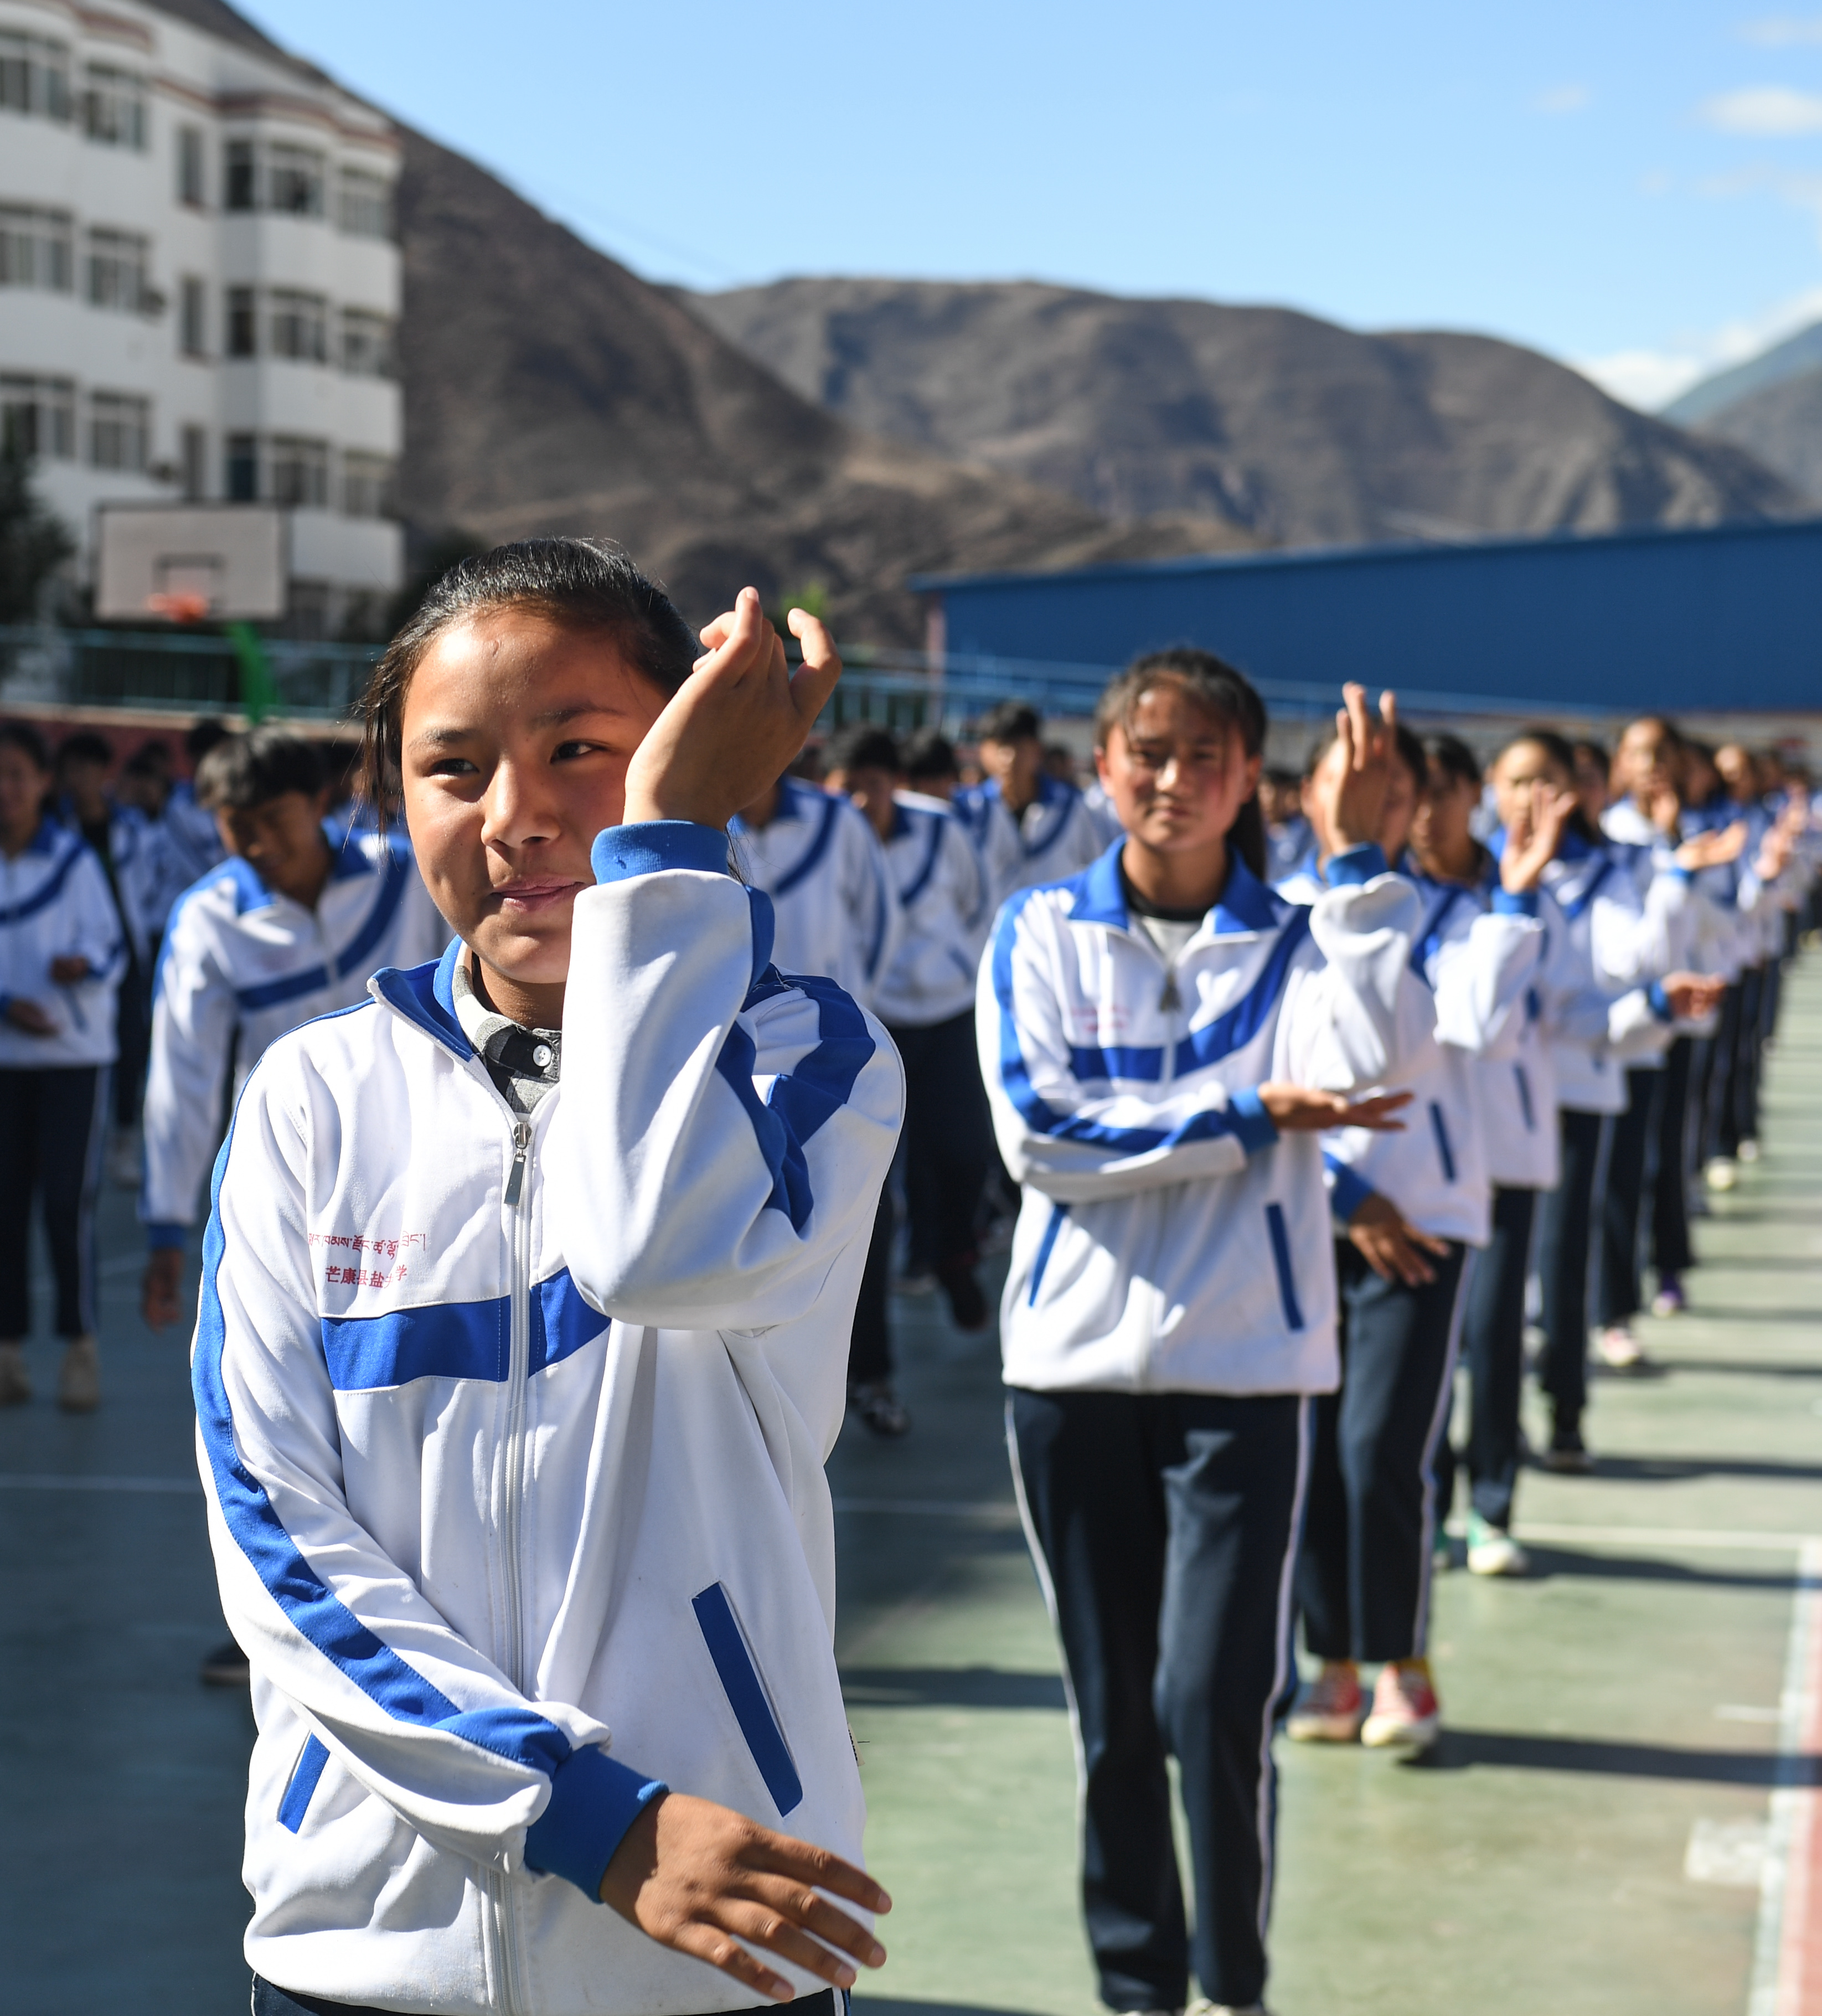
1203 2007
124 1160
1748 1151
1722 1173
1493 1551
1619 1351
79 1380
15 1379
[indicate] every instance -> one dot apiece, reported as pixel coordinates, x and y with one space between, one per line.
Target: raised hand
1391 1245
1531 844
703 1879
1301 1109
729 732
1350 786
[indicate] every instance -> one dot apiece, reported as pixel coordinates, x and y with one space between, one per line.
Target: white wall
226 92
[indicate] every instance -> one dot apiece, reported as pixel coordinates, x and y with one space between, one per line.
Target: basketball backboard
174 563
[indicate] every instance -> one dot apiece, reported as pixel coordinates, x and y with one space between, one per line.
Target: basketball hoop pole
259 689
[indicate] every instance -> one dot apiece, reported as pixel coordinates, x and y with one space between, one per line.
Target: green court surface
1591 1835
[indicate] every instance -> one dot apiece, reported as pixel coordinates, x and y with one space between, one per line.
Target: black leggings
1492 1346
53 1124
1363 1572
1562 1265
1622 1197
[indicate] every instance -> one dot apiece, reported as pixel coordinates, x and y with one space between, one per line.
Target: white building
199 284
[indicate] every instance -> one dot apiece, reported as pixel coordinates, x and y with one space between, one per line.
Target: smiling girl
1163 1038
525 1307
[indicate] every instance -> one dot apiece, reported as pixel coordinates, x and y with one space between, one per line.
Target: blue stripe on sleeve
648 846
1348 1188
1357 864
594 1799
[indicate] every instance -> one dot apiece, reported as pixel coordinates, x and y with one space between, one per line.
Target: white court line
1786 1980
1664 1536
45 1481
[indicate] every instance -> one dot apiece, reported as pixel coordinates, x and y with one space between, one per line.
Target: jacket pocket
1281 1260
1445 1152
1058 1213
740 1682
302 1789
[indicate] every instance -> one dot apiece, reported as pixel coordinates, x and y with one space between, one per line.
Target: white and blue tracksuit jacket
240 964
54 904
1169 1240
940 881
513 1430
1478 951
1057 835
836 909
189 844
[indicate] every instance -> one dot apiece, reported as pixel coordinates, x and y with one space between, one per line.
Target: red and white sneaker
1407 1714
1330 1708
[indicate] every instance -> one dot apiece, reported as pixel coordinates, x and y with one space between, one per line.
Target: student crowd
1436 1053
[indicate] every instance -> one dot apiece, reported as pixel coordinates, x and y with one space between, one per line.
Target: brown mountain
1302 431
548 389
1781 424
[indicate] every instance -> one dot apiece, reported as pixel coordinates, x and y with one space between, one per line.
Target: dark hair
1453 757
1281 775
1585 745
1561 752
83 745
929 754
1011 720
207 734
585 585
1213 683
1405 742
863 746
252 769
1671 732
20 735
151 759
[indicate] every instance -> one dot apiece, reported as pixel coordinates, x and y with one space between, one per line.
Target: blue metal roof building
1723 618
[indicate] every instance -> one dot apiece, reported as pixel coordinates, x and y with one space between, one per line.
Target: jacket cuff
594 1799
1348 1188
1359 864
165 1234
654 844
1254 1128
1514 902
1660 1002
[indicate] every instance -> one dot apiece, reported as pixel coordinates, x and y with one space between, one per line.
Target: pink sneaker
1330 1709
1407 1714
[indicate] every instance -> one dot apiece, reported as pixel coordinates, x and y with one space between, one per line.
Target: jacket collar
1246 904
426 995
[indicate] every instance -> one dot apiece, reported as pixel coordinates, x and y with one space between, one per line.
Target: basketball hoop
181 606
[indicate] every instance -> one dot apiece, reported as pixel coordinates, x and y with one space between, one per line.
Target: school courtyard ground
1622 1817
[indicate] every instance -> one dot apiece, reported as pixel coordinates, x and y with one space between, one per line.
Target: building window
366 344
299 326
294 177
118 279
34 75
35 249
366 485
238 188
194 448
190 166
113 107
299 471
366 204
192 317
241 475
242 322
37 416
119 425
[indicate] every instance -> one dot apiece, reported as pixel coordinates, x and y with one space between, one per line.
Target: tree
33 541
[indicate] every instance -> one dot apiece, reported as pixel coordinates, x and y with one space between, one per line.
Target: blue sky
1634 188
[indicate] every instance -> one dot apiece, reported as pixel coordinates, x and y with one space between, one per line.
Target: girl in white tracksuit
526 1294
62 955
1145 1028
1414 1205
